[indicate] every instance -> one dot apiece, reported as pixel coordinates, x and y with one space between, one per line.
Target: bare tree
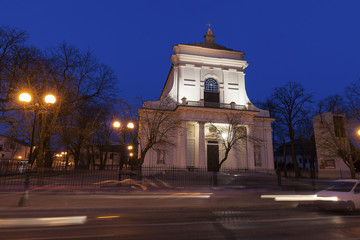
157 125
333 103
231 134
306 140
338 138
291 105
76 129
75 78
11 44
83 82
333 139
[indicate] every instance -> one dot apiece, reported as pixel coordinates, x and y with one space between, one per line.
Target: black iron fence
13 177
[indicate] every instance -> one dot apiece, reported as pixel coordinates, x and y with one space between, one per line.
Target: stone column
202 163
183 146
235 152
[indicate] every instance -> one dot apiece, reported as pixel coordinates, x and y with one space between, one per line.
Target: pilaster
250 148
202 163
183 145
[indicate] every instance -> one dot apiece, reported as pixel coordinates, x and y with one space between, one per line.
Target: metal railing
215 105
151 176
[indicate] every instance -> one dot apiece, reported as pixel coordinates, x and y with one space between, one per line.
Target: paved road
195 214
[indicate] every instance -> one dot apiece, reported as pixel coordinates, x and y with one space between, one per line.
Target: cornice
196 60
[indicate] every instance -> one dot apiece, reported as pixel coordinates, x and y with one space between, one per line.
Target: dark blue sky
315 42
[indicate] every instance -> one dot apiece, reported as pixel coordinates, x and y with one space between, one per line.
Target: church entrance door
212 157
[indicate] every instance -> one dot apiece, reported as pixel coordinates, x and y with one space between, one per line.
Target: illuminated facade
207 84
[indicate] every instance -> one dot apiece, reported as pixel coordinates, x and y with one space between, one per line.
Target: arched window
211 93
211 85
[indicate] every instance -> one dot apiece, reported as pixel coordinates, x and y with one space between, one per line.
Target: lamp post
26 98
129 126
356 144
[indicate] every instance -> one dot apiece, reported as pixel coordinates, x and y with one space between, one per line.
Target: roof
15 140
210 45
210 42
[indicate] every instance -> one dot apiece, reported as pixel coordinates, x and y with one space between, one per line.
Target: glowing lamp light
358 132
25 97
50 99
130 125
131 154
116 124
130 147
19 157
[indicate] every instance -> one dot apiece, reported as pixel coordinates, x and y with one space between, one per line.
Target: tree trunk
284 155
40 164
293 153
352 169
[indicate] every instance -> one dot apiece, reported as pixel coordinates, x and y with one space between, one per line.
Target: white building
330 138
13 149
207 84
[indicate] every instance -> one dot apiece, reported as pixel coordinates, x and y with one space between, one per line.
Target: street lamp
26 98
116 124
129 126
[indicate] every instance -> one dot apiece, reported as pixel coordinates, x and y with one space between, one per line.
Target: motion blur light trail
41 222
136 184
300 198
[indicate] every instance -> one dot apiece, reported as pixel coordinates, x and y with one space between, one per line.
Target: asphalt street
196 213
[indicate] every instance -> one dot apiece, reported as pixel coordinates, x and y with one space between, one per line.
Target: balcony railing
214 105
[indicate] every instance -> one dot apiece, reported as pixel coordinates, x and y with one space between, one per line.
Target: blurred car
341 194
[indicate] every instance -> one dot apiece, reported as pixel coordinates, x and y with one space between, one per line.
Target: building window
111 156
339 125
211 93
211 85
329 163
160 157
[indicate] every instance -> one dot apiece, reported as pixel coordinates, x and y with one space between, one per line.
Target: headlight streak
42 222
300 198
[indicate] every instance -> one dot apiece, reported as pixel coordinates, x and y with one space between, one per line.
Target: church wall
189 83
192 65
263 132
243 156
172 85
190 80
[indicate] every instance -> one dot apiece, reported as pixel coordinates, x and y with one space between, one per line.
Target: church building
206 85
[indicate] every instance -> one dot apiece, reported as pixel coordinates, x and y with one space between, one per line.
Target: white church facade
206 84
